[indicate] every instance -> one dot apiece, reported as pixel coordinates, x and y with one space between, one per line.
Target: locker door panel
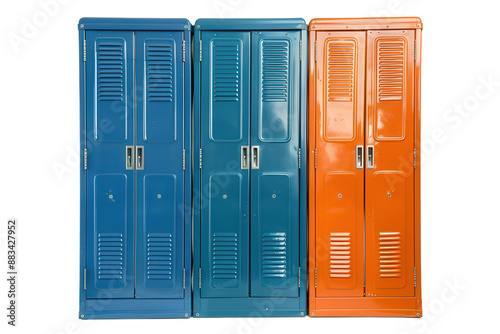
275 184
110 194
225 105
389 184
160 179
339 173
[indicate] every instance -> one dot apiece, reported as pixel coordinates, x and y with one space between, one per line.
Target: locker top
104 23
376 23
250 24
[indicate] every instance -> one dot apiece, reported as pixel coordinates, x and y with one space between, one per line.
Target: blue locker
135 86
250 188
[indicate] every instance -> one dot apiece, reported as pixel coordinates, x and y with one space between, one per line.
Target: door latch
255 157
139 158
370 156
129 157
359 157
244 157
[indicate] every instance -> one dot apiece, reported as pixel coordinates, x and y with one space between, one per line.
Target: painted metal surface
110 195
389 185
225 127
339 172
160 184
249 210
275 183
364 183
135 247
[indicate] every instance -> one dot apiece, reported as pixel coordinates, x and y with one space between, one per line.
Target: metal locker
364 189
135 88
250 187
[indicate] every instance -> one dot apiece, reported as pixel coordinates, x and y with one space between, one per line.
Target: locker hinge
84 279
299 158
199 279
84 158
415 50
315 158
299 277
183 51
300 50
315 277
200 50
183 159
84 50
415 277
315 51
201 154
414 158
183 278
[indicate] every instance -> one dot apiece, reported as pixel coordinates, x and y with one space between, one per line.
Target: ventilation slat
159 71
110 256
159 256
274 255
390 69
226 72
110 60
340 71
390 255
225 256
275 70
340 255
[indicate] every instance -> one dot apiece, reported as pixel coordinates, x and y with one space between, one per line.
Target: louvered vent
226 72
390 69
110 71
340 255
274 255
225 256
341 55
390 251
275 67
160 72
110 254
159 256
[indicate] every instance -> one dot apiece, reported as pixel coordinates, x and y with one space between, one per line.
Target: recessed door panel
159 84
159 165
390 168
110 185
339 174
224 204
274 164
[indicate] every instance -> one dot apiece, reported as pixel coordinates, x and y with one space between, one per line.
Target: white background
39 182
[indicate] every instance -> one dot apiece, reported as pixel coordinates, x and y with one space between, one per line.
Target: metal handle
244 157
255 157
370 156
129 157
359 156
139 157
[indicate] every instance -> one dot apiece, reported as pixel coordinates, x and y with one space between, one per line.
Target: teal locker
250 187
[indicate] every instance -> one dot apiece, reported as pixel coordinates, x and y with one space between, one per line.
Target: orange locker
364 167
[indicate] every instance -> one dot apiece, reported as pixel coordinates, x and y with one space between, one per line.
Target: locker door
160 176
389 166
274 162
224 174
110 184
340 74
